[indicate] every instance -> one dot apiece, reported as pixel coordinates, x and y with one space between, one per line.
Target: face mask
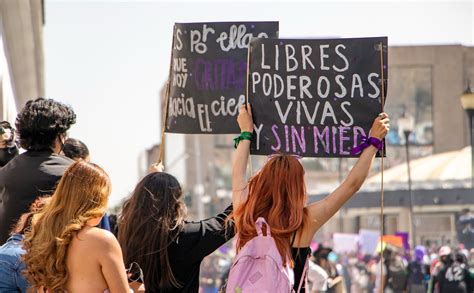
332 257
61 140
7 154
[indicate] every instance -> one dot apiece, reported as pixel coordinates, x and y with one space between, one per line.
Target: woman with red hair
278 194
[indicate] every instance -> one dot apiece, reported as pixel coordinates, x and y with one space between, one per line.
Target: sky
109 59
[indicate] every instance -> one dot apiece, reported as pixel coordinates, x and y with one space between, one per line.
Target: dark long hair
150 221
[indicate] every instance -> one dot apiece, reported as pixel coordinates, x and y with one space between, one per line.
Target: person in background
359 276
465 227
42 127
76 150
372 270
436 266
153 232
453 275
11 265
342 265
417 271
470 265
394 272
317 278
379 269
321 255
64 249
113 224
471 257
8 148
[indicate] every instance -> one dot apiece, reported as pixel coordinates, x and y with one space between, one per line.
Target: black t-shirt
453 279
25 178
416 273
196 241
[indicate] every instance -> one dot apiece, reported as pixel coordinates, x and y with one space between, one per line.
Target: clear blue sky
109 59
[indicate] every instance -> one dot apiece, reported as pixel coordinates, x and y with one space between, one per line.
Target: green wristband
244 135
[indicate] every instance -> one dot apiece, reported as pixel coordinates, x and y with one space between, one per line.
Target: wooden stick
247 100
382 224
247 77
165 122
167 97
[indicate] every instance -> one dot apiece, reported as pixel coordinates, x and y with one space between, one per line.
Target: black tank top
300 255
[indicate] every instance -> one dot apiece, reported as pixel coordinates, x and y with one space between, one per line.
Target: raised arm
320 212
239 168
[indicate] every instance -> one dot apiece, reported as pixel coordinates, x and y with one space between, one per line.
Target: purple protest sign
404 236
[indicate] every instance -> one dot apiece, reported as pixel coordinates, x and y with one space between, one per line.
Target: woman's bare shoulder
96 237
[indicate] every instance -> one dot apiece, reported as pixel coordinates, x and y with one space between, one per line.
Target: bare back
85 271
94 263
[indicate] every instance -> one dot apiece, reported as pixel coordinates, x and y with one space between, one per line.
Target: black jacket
453 278
23 179
196 241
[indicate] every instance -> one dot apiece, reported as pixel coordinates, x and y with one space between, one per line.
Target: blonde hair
82 194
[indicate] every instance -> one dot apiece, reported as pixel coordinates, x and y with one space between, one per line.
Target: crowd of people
422 270
53 202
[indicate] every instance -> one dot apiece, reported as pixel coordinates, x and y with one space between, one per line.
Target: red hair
278 194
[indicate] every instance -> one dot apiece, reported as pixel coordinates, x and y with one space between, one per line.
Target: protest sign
208 74
345 242
315 98
404 236
368 240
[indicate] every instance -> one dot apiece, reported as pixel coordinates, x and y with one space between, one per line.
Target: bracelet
244 135
366 142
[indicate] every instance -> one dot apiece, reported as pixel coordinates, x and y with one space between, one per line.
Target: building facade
427 82
21 54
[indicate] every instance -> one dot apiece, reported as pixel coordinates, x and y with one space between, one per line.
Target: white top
317 277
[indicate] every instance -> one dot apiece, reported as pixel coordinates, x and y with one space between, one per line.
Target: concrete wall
451 67
21 25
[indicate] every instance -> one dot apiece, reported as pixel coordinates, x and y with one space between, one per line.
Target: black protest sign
315 98
208 74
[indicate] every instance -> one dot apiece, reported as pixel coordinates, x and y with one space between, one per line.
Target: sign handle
247 76
167 97
165 122
247 98
382 223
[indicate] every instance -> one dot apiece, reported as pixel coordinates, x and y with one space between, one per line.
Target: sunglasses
298 157
135 273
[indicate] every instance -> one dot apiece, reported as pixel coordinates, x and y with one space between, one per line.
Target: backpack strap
259 224
304 275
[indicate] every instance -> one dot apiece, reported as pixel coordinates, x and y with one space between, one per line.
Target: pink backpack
258 267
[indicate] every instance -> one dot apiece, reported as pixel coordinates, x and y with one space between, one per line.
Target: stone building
429 81
21 54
